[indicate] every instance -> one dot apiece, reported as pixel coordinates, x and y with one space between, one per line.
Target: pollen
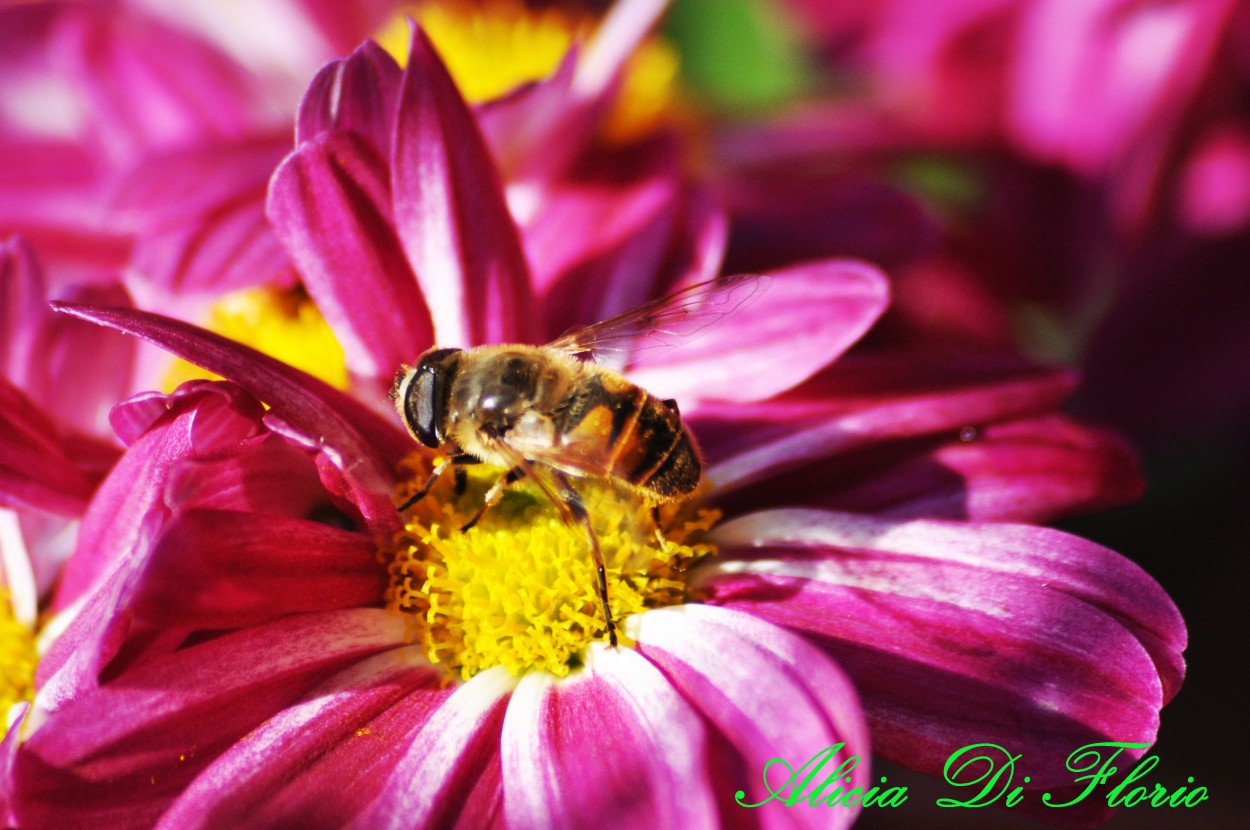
519 588
17 657
285 324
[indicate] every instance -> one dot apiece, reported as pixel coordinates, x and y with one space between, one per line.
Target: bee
551 413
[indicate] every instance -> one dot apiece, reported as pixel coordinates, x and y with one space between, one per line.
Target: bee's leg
439 469
656 524
574 503
494 494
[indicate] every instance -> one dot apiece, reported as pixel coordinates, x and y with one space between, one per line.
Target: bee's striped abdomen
631 435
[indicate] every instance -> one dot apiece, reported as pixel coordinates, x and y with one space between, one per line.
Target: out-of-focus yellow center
17 657
492 47
519 589
283 324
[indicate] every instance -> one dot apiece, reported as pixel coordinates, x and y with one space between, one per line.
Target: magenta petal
191 181
537 131
330 205
869 401
36 472
701 243
232 247
343 23
769 693
451 214
77 392
1032 470
805 319
598 249
318 762
49 193
358 94
523 128
24 315
620 724
220 569
42 352
623 28
198 214
359 442
1037 470
8 748
132 502
130 746
1019 635
265 475
151 85
449 772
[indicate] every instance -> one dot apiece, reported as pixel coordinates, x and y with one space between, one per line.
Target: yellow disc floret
17 657
648 94
492 47
282 324
519 588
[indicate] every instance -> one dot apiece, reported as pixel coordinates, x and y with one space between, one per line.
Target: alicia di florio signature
985 774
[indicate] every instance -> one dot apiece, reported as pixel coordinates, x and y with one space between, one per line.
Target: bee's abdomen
654 452
635 437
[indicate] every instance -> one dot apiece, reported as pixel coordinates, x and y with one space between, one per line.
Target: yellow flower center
648 96
283 324
17 657
519 589
492 47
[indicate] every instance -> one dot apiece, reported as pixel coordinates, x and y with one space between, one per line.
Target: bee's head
420 394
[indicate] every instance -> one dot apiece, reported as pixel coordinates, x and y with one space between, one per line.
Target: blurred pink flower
1060 176
134 147
1083 84
232 662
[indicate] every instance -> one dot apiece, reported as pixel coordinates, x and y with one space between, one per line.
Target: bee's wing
539 474
579 452
668 321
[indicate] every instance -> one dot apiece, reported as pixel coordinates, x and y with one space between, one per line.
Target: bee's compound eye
421 408
426 396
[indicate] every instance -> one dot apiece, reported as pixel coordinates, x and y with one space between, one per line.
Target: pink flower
232 662
1061 176
131 144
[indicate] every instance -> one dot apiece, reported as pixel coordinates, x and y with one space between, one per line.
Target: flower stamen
282 324
17 657
518 589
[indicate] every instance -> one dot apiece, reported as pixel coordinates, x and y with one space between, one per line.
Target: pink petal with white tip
770 694
619 724
449 773
1010 632
320 761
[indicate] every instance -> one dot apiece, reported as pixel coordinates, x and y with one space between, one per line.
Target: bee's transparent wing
539 474
666 322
